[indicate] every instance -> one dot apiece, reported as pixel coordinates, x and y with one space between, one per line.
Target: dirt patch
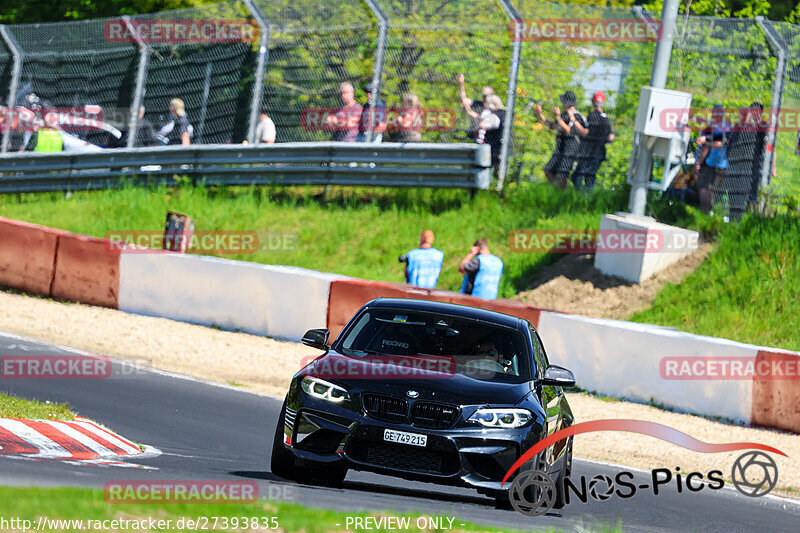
265 365
573 285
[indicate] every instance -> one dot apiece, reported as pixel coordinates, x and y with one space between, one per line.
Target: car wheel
282 461
501 500
566 471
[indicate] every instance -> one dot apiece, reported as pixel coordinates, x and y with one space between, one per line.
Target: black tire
282 461
330 476
566 471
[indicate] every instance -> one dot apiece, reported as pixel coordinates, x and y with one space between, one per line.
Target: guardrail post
14 86
264 37
141 78
779 47
511 94
377 68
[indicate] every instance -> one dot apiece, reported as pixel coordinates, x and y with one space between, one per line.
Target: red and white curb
79 441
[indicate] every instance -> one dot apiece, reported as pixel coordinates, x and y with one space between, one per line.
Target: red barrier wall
776 402
347 296
86 271
27 256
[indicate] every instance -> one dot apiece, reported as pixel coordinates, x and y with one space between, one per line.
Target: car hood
371 374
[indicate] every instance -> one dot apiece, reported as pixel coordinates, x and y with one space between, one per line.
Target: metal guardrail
315 163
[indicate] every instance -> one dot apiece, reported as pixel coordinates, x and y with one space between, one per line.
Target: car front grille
385 408
433 415
403 457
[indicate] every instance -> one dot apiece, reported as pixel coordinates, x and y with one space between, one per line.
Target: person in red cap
593 144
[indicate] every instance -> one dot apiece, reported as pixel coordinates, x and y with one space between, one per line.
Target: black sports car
426 391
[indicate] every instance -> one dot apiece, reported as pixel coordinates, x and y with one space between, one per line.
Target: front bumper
320 432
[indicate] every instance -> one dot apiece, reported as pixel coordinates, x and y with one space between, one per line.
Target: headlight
324 390
491 417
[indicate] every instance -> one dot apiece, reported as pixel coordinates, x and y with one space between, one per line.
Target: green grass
88 504
357 232
15 407
748 289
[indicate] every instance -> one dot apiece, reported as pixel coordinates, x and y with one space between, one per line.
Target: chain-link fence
289 59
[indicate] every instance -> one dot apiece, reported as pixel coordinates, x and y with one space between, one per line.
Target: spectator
593 144
409 121
712 162
45 138
568 125
145 132
365 124
482 271
178 130
345 122
423 264
489 121
474 108
492 119
265 131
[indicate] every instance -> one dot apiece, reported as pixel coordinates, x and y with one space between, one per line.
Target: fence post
511 94
141 78
14 86
779 47
377 68
658 78
264 36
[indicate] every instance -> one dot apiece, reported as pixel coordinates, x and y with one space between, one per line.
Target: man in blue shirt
482 271
423 264
712 161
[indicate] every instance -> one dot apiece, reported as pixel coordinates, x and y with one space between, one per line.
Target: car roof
430 306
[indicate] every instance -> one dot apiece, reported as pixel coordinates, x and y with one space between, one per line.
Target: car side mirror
316 338
558 376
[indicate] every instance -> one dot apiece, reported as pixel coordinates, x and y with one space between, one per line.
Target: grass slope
356 232
748 289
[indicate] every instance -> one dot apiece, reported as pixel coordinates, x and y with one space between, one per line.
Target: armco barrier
277 301
86 271
27 256
776 402
348 295
622 359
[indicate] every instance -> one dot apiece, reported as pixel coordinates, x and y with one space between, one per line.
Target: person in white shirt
265 131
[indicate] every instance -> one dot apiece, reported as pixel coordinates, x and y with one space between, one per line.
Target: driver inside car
491 358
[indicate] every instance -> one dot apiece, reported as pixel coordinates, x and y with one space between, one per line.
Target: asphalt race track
208 432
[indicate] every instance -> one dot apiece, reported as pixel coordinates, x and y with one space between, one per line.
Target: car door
549 395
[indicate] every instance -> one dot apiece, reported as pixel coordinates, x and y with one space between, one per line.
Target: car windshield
478 349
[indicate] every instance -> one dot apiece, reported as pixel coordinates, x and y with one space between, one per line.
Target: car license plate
414 439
